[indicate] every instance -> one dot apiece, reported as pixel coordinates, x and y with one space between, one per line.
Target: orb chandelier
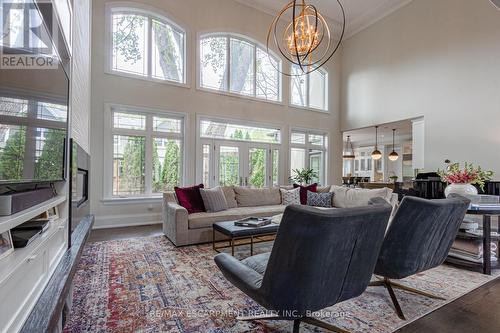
349 150
306 40
376 154
393 156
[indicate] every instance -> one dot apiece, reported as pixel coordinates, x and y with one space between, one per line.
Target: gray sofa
186 229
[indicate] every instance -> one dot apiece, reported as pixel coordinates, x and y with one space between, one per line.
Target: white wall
434 58
80 74
196 16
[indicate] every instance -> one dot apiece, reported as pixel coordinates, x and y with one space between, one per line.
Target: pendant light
349 151
376 154
393 156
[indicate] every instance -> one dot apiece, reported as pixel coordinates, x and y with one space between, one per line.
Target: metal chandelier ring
293 55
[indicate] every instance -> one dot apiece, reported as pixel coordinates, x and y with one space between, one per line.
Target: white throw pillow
345 197
290 197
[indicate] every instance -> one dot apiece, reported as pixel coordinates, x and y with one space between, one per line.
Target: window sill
146 78
247 97
305 108
133 200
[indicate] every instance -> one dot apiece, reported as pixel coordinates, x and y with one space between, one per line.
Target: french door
226 162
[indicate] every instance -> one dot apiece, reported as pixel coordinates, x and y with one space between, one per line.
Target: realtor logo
25 41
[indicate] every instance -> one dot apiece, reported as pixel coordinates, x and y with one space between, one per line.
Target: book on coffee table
254 222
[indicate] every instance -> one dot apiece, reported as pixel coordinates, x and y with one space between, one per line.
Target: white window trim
307 107
200 141
256 45
109 131
150 12
308 146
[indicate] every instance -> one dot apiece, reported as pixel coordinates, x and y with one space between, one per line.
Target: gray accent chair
319 258
418 239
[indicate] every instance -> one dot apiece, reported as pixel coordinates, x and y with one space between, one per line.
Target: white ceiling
359 13
365 137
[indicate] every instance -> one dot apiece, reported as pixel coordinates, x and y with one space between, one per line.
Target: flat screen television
33 121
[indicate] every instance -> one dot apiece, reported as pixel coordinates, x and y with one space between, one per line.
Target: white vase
460 189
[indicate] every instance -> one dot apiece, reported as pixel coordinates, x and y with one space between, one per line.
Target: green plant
303 176
394 178
468 175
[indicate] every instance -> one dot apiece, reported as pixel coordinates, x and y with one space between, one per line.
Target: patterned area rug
148 285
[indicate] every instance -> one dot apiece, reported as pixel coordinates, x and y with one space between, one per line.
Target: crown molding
372 16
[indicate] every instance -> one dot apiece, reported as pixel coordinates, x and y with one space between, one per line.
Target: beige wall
434 58
196 16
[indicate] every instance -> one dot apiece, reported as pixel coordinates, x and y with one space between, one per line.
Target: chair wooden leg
415 291
395 301
296 326
322 324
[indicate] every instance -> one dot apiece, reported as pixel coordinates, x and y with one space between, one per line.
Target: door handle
246 181
241 181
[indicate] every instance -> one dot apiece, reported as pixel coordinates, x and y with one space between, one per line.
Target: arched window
238 65
310 90
145 44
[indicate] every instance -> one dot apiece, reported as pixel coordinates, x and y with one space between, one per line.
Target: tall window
310 90
308 150
147 152
146 45
237 65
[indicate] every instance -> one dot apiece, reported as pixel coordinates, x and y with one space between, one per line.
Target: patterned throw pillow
319 199
214 199
290 197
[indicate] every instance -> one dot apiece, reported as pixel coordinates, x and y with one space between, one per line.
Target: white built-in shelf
12 221
10 263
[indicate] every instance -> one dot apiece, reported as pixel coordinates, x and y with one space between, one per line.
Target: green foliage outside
49 165
12 156
132 166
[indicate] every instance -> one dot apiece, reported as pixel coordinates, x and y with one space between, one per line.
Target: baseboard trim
121 225
126 220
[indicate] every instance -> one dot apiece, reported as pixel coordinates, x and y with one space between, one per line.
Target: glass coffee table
238 236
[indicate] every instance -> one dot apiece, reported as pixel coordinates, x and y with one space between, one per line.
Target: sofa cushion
303 191
345 197
213 199
205 220
190 198
319 199
290 197
230 196
251 197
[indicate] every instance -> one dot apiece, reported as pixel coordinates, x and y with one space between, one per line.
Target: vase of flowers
462 181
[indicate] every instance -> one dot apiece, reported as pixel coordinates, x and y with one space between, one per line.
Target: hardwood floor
478 311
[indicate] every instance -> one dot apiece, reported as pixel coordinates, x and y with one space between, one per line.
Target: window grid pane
167 125
213 63
167 53
298 138
242 67
206 165
128 165
229 164
166 164
268 78
220 130
130 50
129 121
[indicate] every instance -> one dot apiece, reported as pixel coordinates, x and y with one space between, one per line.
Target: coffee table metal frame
261 238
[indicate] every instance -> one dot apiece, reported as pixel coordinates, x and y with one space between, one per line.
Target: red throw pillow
190 198
303 191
